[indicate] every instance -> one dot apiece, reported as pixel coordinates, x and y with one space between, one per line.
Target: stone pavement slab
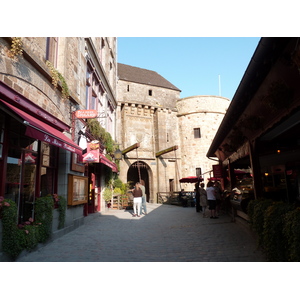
166 234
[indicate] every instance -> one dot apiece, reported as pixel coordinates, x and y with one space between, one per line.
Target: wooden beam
130 148
159 153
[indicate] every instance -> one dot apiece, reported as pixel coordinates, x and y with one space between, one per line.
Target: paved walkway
166 234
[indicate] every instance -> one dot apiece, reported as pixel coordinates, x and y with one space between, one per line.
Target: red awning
40 130
108 163
191 179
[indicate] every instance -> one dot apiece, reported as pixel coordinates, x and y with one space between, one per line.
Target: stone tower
158 130
199 118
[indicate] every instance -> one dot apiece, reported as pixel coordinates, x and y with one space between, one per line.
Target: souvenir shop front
34 151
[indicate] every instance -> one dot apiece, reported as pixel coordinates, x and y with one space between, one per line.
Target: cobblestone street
165 234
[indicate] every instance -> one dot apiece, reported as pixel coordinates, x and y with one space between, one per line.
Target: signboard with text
217 171
86 114
92 155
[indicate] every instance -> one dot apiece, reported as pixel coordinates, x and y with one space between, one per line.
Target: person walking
144 197
211 199
197 187
203 198
137 199
218 190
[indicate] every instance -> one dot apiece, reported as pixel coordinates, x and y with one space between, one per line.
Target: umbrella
191 179
214 179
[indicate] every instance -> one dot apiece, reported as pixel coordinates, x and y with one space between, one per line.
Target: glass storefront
24 180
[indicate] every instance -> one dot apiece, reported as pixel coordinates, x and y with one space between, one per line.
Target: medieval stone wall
161 121
205 113
132 92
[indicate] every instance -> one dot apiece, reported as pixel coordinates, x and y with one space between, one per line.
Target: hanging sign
92 155
86 114
217 171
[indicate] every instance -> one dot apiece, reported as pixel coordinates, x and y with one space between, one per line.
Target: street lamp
118 154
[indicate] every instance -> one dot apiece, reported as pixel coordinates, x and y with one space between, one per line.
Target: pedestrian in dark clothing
182 198
198 207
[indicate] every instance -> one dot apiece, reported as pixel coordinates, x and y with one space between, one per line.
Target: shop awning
191 179
38 129
108 163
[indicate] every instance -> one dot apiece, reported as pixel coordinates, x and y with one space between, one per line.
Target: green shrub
107 194
29 236
44 215
250 210
274 242
258 215
291 231
11 235
62 207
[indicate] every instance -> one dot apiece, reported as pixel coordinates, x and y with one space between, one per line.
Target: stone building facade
199 118
39 129
172 134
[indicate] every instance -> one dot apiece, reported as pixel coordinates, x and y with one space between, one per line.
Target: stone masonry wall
132 92
206 113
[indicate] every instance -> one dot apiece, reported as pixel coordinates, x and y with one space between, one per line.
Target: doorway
137 171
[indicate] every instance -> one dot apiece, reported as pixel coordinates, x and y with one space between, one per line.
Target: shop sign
92 154
217 171
86 114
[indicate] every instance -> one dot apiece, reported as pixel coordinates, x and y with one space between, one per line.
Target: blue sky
193 64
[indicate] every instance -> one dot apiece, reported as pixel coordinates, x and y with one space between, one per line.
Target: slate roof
143 76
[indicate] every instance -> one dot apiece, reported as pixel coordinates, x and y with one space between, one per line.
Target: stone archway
133 175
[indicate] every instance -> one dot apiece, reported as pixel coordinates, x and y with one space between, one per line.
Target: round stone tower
199 118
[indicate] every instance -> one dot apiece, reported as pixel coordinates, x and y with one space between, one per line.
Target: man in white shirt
211 199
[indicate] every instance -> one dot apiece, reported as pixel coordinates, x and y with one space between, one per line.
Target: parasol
191 179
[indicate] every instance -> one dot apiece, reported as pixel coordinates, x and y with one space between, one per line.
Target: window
94 91
197 133
198 172
150 92
127 88
51 50
48 169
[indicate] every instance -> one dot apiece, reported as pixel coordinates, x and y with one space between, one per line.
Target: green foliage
107 194
11 235
56 77
250 210
44 215
257 216
30 236
16 48
117 191
27 235
278 227
291 231
274 242
62 207
102 135
109 144
118 183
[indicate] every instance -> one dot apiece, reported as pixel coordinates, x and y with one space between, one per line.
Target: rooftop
143 76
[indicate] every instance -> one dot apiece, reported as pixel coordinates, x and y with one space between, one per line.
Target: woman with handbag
137 200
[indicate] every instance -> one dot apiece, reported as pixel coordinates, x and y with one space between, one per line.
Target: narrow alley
166 234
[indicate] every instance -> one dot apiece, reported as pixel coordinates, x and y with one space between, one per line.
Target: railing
173 198
121 202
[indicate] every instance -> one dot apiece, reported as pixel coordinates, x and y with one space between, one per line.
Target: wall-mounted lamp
118 154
